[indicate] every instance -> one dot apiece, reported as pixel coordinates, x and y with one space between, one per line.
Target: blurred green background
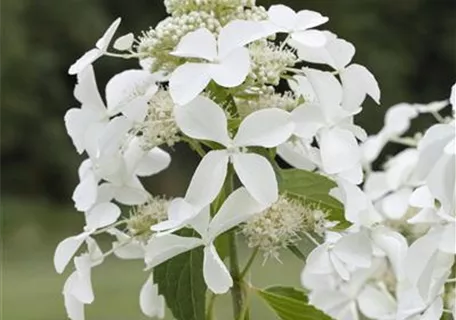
409 45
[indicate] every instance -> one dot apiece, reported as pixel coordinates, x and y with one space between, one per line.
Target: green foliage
290 304
180 280
313 189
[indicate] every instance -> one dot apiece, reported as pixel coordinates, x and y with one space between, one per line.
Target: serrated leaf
291 304
313 189
180 280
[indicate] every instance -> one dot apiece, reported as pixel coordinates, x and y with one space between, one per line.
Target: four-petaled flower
237 208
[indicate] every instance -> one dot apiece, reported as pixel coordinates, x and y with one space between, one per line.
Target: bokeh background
409 45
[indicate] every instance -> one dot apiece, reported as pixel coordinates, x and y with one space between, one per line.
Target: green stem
245 306
249 263
210 307
236 290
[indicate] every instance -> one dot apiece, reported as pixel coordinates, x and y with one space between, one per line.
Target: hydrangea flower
100 49
224 60
265 128
237 208
285 19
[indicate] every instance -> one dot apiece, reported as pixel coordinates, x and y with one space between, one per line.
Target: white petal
82 287
203 119
113 134
86 91
94 251
327 89
339 150
236 34
396 204
355 250
125 247
442 184
309 19
66 249
124 42
397 119
295 157
152 304
375 304
309 38
318 261
394 245
102 215
237 208
127 87
376 185
232 69
85 194
132 193
77 123
337 53
308 119
208 179
267 128
73 307
105 40
257 175
216 275
155 161
435 310
188 81
300 85
200 223
197 44
357 81
372 147
283 16
340 267
86 60
353 175
161 249
448 240
180 212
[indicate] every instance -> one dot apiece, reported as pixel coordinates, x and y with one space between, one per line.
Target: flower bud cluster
269 62
158 42
281 225
179 7
286 101
144 216
159 126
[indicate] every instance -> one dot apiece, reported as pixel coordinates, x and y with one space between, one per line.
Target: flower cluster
207 78
396 260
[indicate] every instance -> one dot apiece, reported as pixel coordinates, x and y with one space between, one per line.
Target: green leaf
290 304
180 280
313 189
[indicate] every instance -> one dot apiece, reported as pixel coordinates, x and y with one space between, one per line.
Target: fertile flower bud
159 42
286 101
179 7
159 127
269 62
281 224
144 216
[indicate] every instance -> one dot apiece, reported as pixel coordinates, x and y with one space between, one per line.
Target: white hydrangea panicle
100 49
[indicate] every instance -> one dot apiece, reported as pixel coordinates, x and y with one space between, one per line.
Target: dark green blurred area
409 45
